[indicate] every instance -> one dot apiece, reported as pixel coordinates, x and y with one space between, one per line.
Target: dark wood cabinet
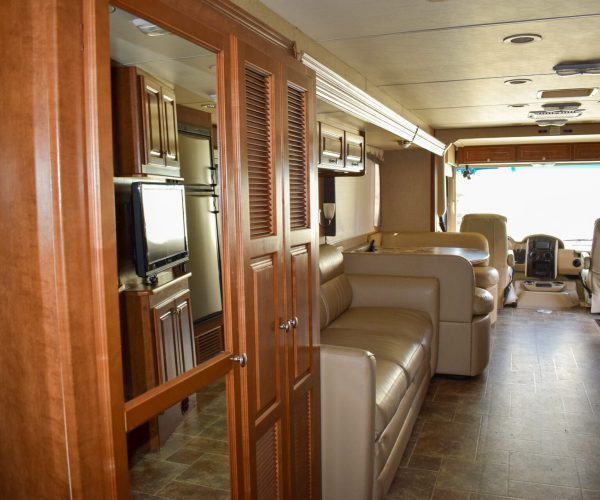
586 151
487 154
173 333
543 152
145 124
158 338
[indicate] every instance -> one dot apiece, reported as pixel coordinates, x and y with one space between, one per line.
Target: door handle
285 326
242 359
294 322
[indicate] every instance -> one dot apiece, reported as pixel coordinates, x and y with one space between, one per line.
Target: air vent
564 113
562 106
147 28
297 158
566 93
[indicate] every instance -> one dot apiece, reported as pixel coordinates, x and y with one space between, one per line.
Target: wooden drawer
544 152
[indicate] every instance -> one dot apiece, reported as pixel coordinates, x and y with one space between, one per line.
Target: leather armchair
591 275
493 228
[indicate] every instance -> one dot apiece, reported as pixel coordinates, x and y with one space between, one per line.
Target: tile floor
194 461
529 427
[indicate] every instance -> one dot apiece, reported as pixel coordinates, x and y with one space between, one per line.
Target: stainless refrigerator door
205 283
196 159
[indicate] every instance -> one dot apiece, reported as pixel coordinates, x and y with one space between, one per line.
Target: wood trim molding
251 23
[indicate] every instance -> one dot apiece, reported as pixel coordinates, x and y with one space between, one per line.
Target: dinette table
473 255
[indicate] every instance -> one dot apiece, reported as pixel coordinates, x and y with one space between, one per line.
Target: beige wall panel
406 191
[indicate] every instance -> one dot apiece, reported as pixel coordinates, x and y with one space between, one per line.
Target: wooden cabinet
586 151
487 154
158 339
543 152
340 152
279 273
145 124
173 333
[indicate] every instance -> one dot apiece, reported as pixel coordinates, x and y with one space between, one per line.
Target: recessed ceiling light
518 105
522 39
517 81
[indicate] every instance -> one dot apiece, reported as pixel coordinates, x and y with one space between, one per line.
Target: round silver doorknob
294 322
285 326
242 359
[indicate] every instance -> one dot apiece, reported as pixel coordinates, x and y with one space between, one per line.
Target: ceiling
170 58
445 60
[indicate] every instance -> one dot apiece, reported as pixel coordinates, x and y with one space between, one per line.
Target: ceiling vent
563 113
561 106
523 38
147 28
585 68
566 93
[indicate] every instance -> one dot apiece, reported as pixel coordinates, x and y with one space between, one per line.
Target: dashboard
542 256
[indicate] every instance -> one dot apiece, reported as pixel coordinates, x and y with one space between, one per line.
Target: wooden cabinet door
166 335
301 247
170 146
487 154
186 332
260 209
152 121
588 151
544 152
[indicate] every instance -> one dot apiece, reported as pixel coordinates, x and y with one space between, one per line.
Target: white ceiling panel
331 20
469 53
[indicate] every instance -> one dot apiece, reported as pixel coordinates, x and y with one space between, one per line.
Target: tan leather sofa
486 276
378 351
464 330
493 228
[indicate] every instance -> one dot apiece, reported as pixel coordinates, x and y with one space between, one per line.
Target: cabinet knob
294 322
285 326
242 359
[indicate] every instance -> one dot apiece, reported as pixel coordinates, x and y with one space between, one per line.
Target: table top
473 255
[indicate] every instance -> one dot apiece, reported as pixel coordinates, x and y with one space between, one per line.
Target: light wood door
152 121
169 109
263 380
301 248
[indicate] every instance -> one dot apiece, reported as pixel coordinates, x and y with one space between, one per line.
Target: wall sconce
326 214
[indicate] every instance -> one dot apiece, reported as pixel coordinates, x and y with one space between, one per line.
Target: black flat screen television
159 224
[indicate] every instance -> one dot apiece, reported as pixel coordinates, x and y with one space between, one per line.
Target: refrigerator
202 211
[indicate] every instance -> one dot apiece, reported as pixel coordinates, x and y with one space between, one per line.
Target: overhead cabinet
340 152
529 153
145 124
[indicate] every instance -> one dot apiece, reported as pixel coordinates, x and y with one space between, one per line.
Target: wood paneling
487 154
544 152
586 151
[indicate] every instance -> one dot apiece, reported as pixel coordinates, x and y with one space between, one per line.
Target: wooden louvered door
263 380
301 246
279 243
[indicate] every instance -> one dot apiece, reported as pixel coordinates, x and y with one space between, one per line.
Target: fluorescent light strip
340 93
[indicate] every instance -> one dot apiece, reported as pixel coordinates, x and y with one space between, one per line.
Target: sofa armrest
347 422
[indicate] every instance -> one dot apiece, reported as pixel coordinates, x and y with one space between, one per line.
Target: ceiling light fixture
585 68
147 28
517 81
518 105
522 39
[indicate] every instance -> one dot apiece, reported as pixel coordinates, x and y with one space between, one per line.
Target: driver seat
591 276
493 227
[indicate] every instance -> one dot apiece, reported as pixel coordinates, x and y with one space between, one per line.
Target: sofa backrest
393 239
335 290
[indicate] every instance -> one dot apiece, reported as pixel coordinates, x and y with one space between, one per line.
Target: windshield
562 201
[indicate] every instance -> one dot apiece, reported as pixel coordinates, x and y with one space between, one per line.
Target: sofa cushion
403 351
391 384
486 276
483 302
336 297
415 325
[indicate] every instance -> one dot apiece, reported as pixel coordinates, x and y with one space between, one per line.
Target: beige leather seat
591 276
493 227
